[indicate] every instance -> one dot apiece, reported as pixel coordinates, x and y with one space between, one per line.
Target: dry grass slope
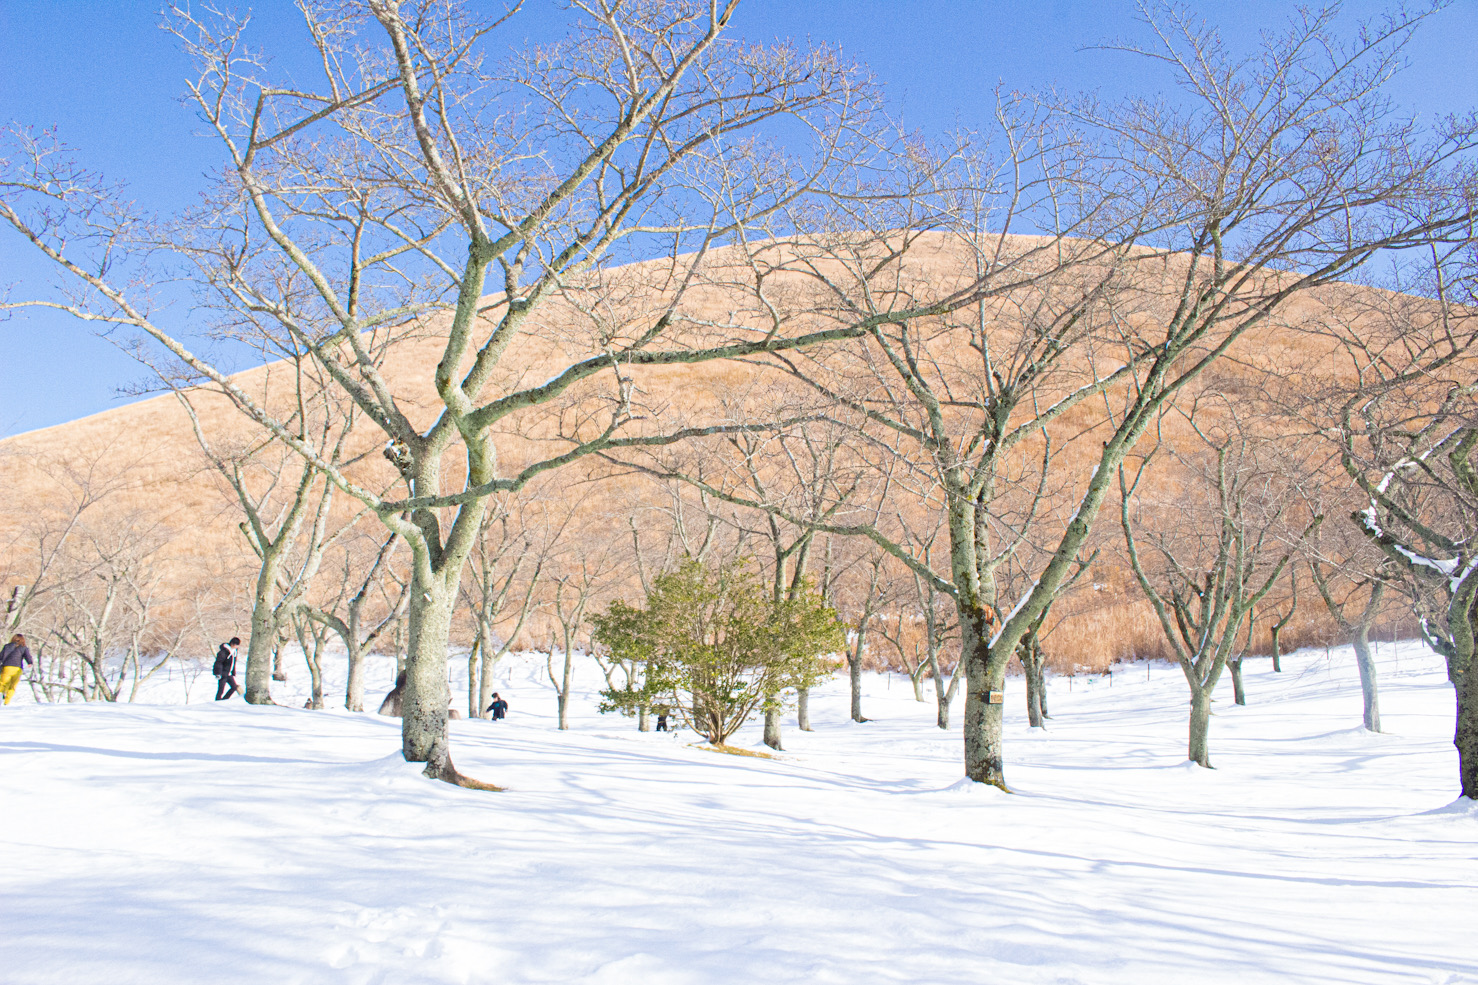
147 455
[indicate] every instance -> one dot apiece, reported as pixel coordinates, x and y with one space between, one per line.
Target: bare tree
939 632
312 636
1281 623
1173 228
105 628
1351 575
801 477
349 611
677 523
287 503
504 562
859 604
351 210
1408 438
1230 543
44 530
575 576
1033 658
916 631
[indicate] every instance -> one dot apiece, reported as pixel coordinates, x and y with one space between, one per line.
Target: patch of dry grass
734 751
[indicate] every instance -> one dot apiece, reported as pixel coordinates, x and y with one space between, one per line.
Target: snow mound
1465 807
967 789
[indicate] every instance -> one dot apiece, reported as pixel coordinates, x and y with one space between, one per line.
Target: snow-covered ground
210 843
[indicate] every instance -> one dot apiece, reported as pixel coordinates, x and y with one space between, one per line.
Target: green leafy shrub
715 646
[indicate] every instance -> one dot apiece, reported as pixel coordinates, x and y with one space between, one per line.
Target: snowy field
208 843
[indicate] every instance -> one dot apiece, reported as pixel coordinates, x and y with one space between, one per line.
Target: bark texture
1198 750
944 693
772 727
1466 735
427 696
1239 693
354 687
1369 690
262 643
985 760
1032 666
854 679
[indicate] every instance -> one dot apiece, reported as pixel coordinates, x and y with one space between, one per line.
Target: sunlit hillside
139 470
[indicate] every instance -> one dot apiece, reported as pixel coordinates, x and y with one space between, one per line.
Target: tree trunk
279 672
1277 653
1042 692
310 639
473 689
943 693
772 726
1369 691
803 709
427 697
485 676
917 678
984 756
1033 710
1198 750
1031 668
315 676
643 717
261 646
854 668
1465 687
854 675
354 689
1239 694
564 691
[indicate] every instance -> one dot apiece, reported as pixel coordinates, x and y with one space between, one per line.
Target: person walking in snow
661 719
499 708
225 669
13 657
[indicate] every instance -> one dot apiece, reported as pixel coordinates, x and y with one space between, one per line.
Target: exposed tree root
447 773
998 784
463 780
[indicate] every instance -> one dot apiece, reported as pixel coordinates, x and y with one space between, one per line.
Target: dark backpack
223 661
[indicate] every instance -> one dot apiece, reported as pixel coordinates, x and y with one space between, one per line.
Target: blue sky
104 74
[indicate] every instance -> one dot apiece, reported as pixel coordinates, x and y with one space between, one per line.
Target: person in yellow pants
13 657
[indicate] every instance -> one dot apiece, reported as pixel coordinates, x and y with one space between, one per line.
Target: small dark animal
392 706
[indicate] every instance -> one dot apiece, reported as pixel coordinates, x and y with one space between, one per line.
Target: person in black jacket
13 657
499 708
225 669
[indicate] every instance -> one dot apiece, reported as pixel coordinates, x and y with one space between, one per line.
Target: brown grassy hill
143 466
